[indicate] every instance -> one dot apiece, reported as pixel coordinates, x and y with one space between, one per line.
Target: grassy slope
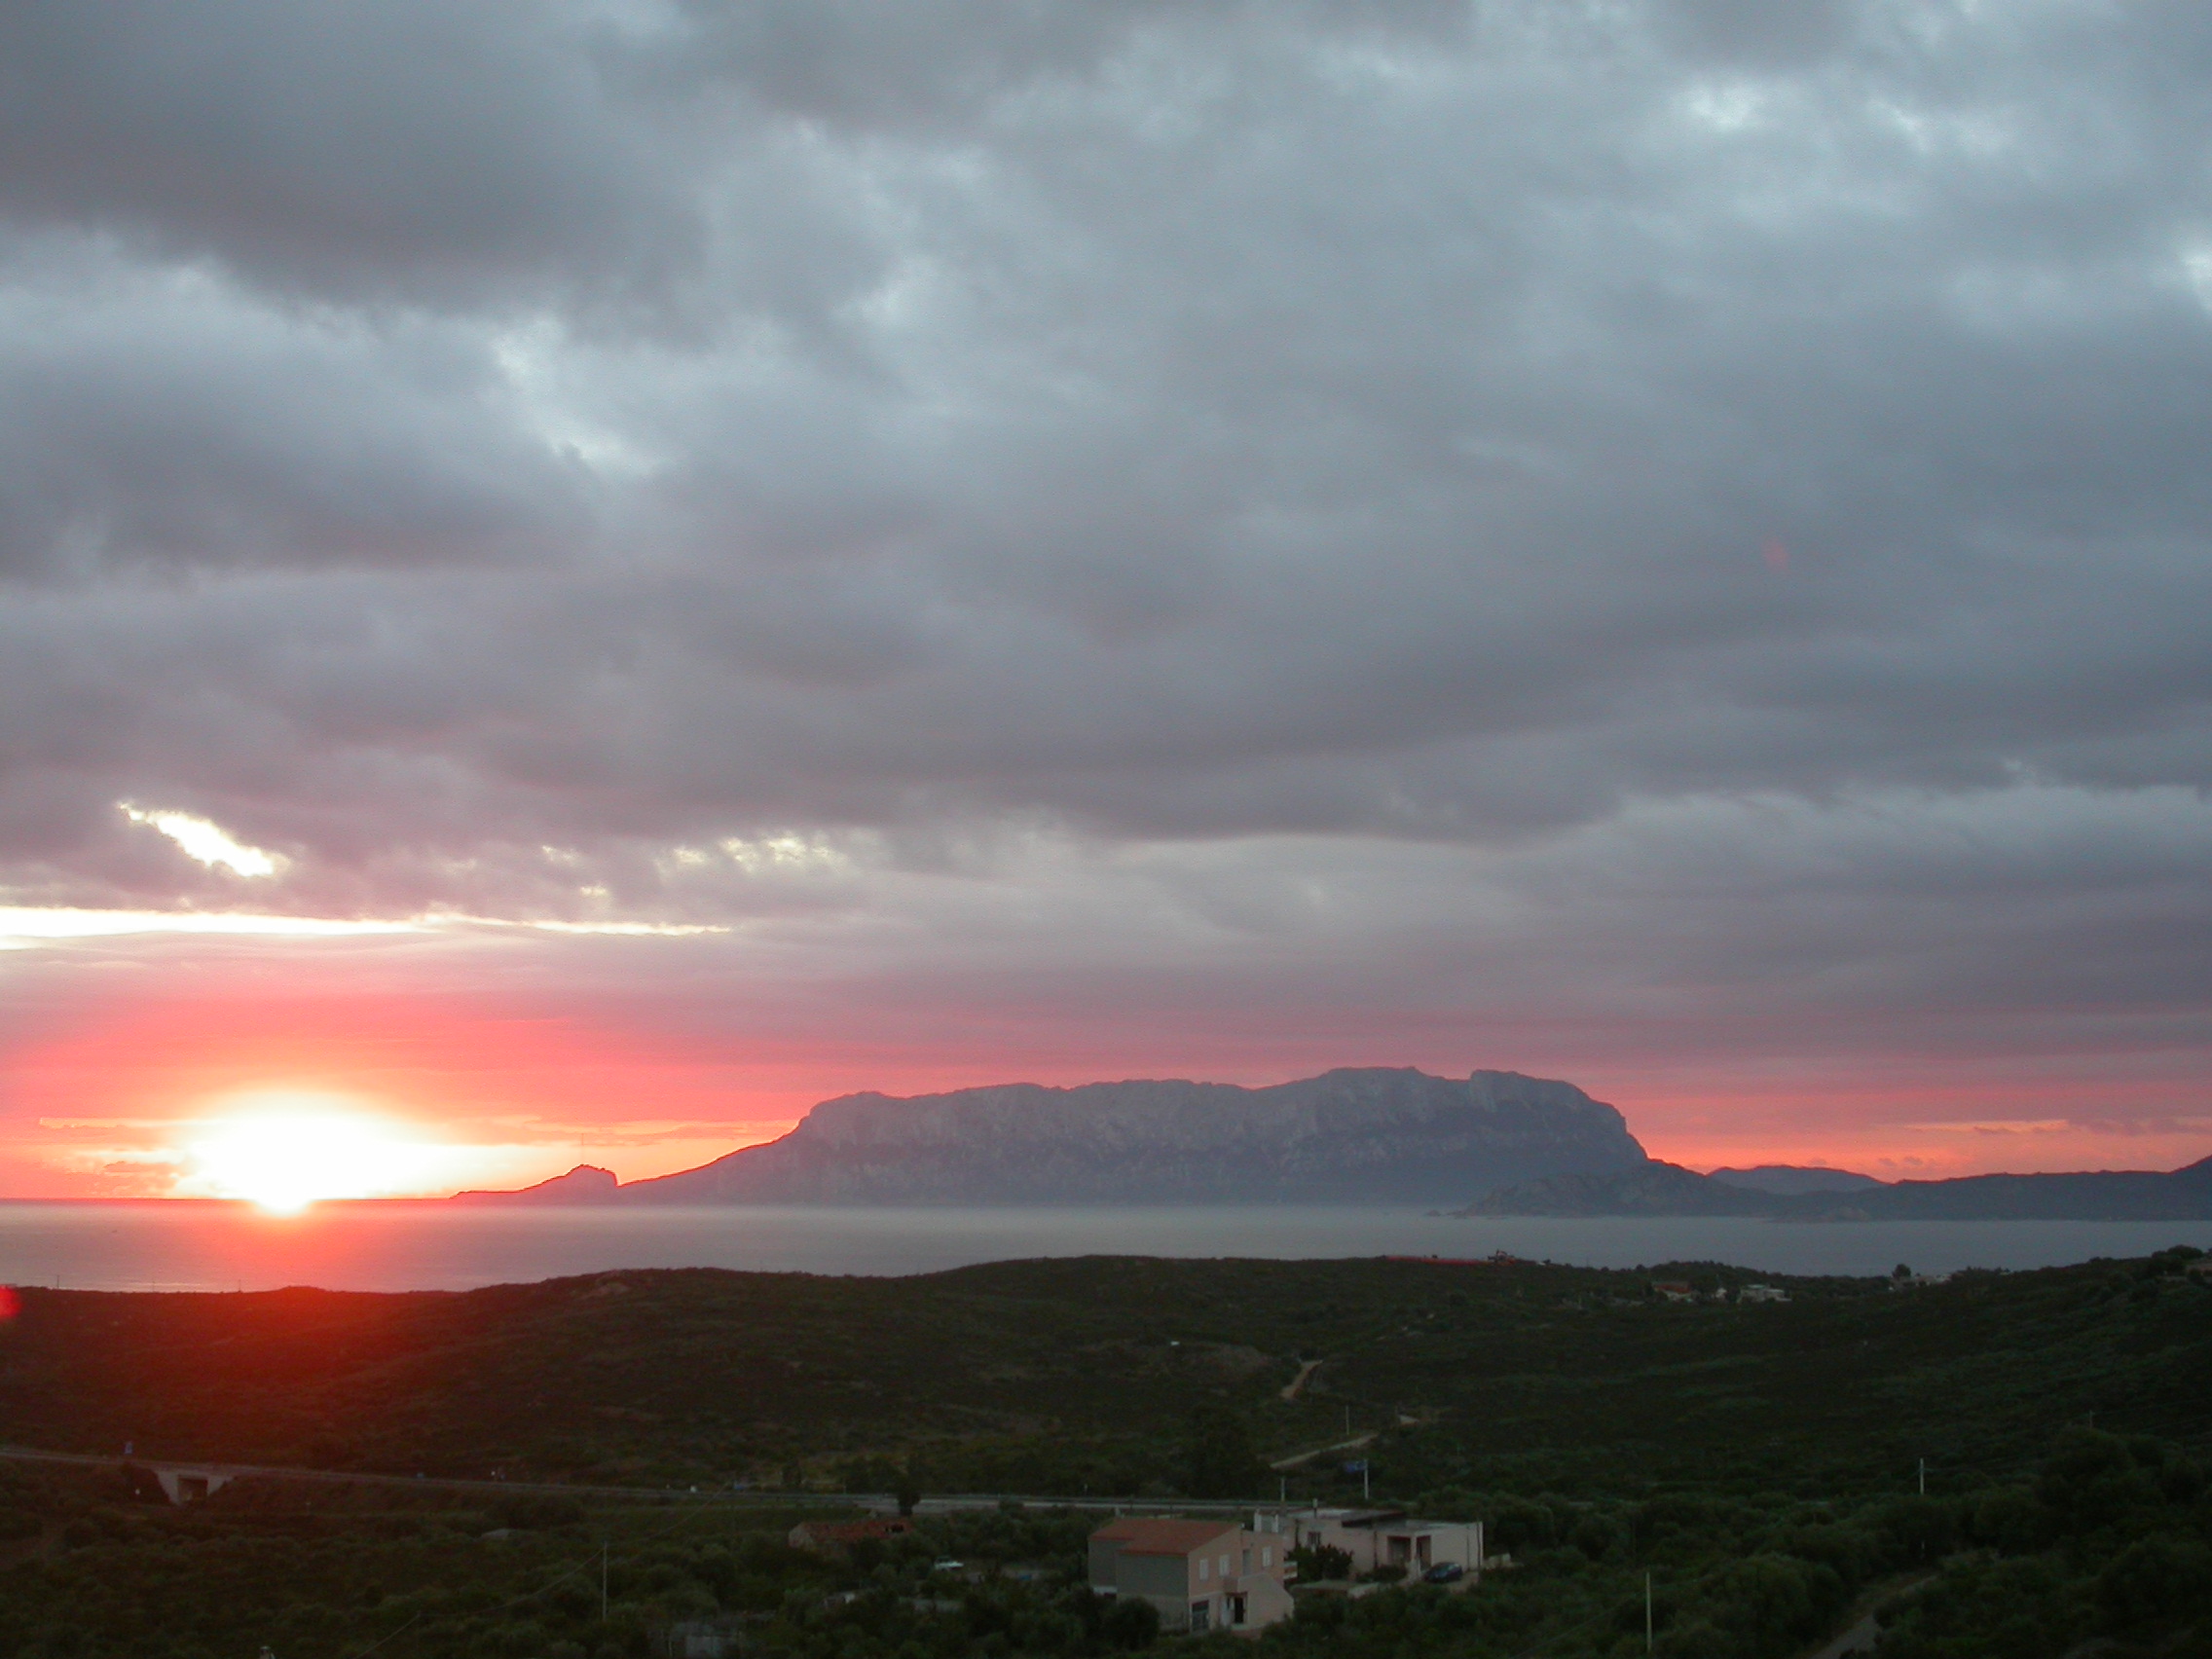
1060 1374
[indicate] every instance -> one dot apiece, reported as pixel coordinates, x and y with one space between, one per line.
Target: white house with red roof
1201 1576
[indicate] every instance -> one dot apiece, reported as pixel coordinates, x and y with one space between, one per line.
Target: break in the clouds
1683 524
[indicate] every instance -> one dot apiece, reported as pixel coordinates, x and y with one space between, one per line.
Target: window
1204 1568
1225 1566
1267 1555
1245 1565
1198 1616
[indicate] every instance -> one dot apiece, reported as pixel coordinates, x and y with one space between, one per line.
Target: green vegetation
1085 1375
1760 1462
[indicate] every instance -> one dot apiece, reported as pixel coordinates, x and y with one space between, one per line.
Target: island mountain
1373 1135
585 1184
1497 1143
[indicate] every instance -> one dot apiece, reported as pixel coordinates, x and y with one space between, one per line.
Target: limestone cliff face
1356 1136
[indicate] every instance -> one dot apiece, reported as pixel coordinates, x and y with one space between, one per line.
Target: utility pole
1647 1612
603 1582
1923 1477
1364 1494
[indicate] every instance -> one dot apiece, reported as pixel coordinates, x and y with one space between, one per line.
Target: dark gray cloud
367 149
146 421
1717 488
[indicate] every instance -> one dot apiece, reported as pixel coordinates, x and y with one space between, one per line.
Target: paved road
1859 1638
881 1503
1862 1634
1297 1457
338 1477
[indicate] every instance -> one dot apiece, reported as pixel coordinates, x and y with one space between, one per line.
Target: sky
578 576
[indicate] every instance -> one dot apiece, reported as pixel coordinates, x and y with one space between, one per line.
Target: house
180 1484
838 1537
1200 1575
1674 1290
1387 1538
1762 1293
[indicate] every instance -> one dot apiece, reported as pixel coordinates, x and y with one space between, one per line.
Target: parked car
1444 1572
947 1565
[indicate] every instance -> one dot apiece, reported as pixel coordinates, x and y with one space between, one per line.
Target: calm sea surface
403 1247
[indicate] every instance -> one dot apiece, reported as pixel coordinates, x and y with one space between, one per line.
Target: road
1859 1638
875 1501
1867 1628
1291 1389
1298 1458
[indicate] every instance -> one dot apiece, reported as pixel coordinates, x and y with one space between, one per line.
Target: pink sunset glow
648 1055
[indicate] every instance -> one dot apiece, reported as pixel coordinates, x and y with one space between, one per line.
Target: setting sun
284 1151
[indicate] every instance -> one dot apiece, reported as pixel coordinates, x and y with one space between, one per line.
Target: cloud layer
1670 530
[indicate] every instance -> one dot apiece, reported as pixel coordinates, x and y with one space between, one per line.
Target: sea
395 1246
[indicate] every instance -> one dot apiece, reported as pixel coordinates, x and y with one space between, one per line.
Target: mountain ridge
1793 1180
1352 1135
1494 1143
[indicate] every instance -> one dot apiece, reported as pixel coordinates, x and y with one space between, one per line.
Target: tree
1321 1564
1218 1459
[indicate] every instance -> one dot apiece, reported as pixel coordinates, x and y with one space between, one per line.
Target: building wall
1171 1576
1370 1547
1102 1554
1174 1586
1265 1602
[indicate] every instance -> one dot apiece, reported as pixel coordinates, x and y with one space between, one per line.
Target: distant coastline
389 1245
1660 1189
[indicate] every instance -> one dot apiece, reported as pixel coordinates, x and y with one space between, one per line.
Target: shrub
2163 1576
2012 1520
1130 1624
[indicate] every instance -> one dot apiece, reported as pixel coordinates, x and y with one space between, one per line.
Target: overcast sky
1663 544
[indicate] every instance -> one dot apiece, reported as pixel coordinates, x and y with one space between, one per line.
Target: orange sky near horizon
100 1104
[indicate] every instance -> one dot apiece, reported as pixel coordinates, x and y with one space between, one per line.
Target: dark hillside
1750 1465
1067 1375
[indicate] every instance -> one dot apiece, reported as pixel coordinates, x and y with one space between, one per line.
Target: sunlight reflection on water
431 1246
